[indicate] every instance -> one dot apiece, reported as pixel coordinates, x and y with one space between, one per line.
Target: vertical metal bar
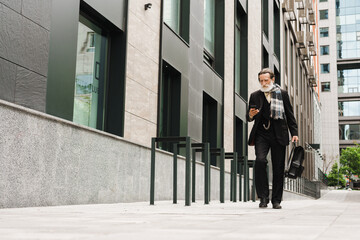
207 171
175 173
152 172
246 179
231 180
187 172
222 176
235 176
193 175
240 180
253 184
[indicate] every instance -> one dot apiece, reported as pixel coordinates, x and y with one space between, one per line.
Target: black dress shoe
263 203
276 206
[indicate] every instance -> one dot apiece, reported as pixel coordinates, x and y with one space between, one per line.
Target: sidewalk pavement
334 216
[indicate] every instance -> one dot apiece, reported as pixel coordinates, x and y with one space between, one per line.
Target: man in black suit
271 109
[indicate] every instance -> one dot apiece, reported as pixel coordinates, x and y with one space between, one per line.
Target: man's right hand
253 112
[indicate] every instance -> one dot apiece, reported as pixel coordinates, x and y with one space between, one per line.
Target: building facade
133 70
339 61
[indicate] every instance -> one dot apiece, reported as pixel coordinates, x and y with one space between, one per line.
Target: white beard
267 88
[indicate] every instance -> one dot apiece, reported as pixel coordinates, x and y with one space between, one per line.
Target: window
325 68
241 52
349 108
349 80
209 26
325 86
349 131
324 32
176 16
323 0
323 14
214 17
324 50
90 79
265 17
170 102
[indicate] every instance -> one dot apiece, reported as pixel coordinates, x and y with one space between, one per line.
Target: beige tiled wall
254 52
142 71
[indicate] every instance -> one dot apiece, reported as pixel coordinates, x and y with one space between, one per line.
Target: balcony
303 19
304 54
300 39
309 6
300 4
312 51
311 19
288 6
310 38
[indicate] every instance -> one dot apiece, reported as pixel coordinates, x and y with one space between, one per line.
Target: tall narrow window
90 75
172 14
176 16
265 17
210 123
276 31
170 96
241 52
209 28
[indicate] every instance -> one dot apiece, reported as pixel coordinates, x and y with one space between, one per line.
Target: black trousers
264 141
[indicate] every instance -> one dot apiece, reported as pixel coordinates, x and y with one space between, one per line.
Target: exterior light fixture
148 6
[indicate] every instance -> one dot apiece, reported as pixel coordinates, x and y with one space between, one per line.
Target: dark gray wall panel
62 58
23 42
213 84
7 80
240 108
175 51
30 89
113 10
38 11
13 4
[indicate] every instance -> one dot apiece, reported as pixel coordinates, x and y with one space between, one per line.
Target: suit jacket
281 126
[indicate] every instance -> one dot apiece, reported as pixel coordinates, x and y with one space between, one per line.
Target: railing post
193 191
175 174
152 172
231 180
246 179
207 173
235 159
187 171
222 176
240 180
253 184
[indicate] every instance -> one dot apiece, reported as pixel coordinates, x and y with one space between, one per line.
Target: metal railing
322 177
302 186
207 152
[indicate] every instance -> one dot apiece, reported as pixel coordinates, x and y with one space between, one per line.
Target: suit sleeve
291 121
251 102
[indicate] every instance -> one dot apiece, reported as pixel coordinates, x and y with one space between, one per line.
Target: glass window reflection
349 109
349 81
89 79
349 132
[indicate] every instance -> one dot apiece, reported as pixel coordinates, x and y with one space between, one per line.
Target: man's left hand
295 139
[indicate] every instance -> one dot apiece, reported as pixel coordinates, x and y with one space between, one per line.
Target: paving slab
334 216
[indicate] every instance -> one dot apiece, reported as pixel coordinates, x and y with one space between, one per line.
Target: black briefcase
294 168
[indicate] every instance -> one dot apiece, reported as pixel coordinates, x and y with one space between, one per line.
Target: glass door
90 75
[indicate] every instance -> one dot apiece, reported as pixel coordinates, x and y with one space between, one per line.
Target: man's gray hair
265 71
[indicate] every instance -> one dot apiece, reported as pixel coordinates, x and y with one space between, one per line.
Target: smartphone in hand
253 106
